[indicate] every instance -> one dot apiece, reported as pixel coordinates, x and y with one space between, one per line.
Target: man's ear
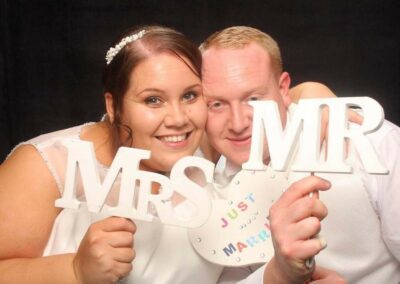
284 85
109 106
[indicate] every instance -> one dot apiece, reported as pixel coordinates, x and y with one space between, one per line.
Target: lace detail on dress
53 152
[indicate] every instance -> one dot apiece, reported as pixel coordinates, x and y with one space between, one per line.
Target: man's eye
152 100
190 96
254 98
215 105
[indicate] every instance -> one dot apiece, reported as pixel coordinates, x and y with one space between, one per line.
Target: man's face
232 78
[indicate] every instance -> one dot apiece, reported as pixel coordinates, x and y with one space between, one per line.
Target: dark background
52 52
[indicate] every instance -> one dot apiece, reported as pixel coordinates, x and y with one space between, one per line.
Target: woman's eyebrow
154 90
197 85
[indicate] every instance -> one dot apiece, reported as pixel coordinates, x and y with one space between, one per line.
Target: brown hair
237 37
156 40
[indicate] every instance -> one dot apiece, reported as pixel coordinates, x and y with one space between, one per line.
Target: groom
241 64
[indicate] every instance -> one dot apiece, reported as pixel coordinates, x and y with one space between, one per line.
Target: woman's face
164 107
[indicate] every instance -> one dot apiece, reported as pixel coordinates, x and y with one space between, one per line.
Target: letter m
81 156
281 144
229 249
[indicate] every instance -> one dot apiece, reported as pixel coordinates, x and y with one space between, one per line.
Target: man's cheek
213 126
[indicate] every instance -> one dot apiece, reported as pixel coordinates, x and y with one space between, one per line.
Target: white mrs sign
266 122
126 162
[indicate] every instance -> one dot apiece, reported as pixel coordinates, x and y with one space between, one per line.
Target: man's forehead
217 60
218 53
231 70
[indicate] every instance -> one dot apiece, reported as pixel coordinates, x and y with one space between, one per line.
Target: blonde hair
237 37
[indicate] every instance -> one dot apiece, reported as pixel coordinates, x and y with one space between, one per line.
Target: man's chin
237 159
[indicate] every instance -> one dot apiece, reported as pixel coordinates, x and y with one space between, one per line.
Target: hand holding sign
294 220
106 251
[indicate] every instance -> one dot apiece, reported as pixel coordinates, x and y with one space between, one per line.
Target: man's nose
240 117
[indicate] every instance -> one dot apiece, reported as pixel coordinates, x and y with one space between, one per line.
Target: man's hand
295 220
106 252
314 90
326 276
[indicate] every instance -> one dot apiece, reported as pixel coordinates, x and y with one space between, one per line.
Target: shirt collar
226 167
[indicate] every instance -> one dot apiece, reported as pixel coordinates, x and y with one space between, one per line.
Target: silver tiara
114 50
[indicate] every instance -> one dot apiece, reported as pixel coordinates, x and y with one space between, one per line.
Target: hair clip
117 48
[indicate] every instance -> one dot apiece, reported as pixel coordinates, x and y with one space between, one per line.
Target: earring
104 117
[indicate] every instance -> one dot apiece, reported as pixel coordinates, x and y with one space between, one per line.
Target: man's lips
240 141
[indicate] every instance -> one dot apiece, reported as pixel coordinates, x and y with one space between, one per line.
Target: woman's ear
284 84
109 106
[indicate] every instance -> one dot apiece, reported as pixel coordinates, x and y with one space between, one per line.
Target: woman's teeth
177 138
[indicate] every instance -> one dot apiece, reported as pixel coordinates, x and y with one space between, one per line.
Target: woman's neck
100 135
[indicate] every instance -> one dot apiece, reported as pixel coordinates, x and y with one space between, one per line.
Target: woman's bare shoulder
27 195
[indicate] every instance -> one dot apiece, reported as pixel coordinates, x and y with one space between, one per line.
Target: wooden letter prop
126 164
305 126
302 130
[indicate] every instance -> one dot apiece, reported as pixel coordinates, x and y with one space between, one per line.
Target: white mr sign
304 128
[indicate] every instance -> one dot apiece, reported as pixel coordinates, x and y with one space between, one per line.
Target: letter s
191 190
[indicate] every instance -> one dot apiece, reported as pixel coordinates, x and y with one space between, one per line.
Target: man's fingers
309 248
301 231
306 207
355 117
307 228
303 187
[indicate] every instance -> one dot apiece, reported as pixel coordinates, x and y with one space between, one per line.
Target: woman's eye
190 96
152 100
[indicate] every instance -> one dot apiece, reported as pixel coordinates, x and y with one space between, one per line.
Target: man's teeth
177 138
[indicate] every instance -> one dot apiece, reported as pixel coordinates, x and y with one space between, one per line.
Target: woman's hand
106 252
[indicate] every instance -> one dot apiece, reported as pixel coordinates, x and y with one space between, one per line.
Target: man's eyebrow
259 90
214 97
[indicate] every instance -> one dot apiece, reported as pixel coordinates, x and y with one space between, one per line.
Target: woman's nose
176 116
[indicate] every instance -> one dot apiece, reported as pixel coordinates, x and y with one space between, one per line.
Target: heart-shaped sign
237 231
